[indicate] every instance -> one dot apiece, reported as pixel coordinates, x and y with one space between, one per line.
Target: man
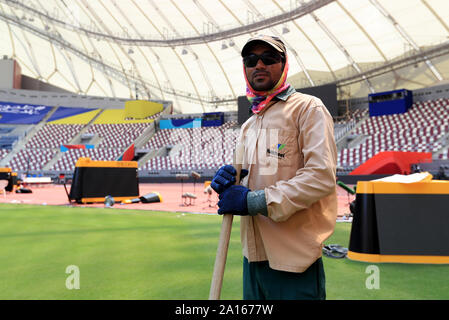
288 198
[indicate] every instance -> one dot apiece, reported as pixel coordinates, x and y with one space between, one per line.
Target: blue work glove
233 200
224 178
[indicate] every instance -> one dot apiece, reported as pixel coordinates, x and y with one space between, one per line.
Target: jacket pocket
282 150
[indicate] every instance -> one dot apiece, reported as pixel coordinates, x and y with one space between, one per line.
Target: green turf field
125 254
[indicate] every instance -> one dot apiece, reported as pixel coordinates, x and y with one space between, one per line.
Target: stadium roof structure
188 51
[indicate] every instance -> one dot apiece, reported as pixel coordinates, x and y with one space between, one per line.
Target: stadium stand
116 116
68 159
342 128
117 135
55 130
3 153
153 117
444 155
31 159
193 148
54 135
354 116
65 115
420 129
423 128
8 142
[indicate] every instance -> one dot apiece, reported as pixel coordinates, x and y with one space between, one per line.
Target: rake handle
220 259
225 235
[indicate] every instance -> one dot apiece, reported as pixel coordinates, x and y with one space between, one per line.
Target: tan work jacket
290 153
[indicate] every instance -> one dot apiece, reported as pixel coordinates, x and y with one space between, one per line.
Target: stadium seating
420 129
4 153
343 126
115 138
68 160
355 115
417 130
194 148
54 135
43 146
31 159
117 135
444 155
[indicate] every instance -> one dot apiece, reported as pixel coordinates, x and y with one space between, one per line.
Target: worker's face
263 77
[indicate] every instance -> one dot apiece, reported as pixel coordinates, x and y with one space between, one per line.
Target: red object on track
392 162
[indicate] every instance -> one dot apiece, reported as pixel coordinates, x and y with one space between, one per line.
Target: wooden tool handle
225 234
220 259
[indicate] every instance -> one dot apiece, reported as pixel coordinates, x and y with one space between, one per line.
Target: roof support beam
421 56
173 41
342 49
311 42
440 20
406 37
107 68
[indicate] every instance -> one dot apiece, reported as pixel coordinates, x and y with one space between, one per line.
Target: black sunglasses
268 58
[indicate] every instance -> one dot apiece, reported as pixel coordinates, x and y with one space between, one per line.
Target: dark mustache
261 73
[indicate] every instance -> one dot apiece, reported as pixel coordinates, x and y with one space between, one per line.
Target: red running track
170 194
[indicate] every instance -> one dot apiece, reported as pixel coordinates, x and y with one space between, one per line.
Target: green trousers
260 282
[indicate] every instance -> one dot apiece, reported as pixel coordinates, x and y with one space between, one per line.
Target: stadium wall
424 94
66 99
431 93
228 116
29 83
6 73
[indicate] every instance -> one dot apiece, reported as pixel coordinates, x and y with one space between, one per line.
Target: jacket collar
284 95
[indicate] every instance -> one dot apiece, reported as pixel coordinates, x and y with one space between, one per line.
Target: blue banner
213 119
180 123
17 113
65 112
